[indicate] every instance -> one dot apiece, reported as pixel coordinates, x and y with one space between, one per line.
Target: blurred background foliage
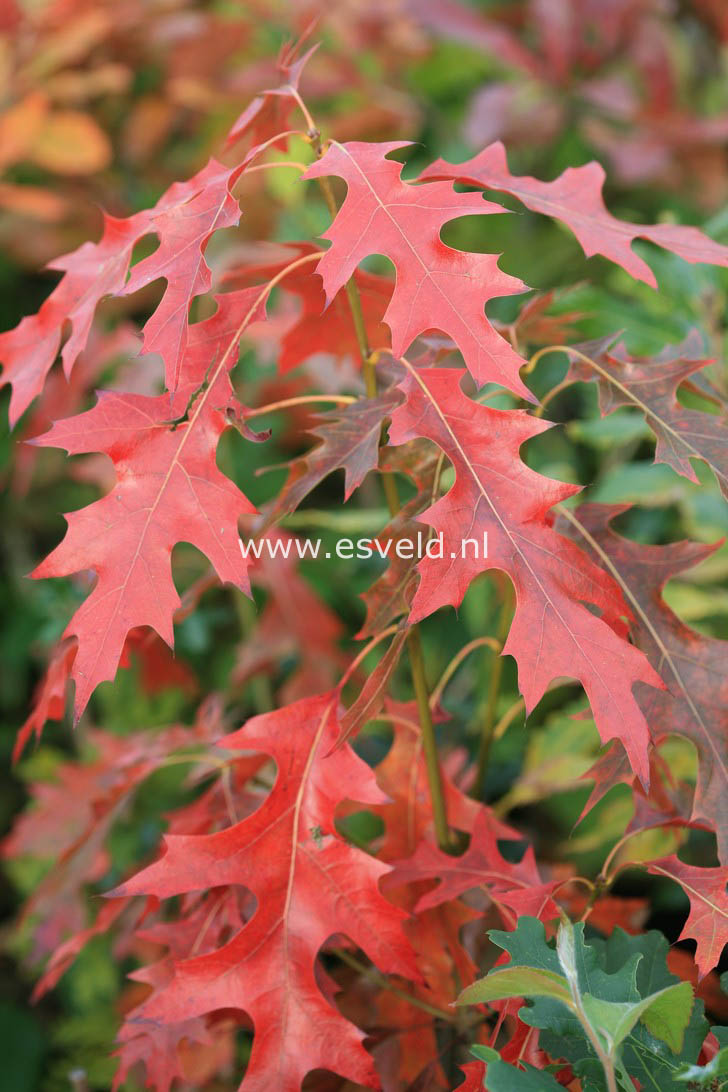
105 104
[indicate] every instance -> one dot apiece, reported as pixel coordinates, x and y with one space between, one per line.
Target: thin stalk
278 163
477 642
607 1062
491 703
301 400
429 743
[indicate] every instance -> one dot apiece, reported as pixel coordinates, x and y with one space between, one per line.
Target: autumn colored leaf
517 887
575 198
63 956
349 438
371 696
317 330
411 1053
691 663
707 922
268 114
651 386
391 593
183 220
70 821
168 490
474 1073
62 397
160 1048
496 495
70 142
384 215
63 141
50 698
315 910
310 884
535 326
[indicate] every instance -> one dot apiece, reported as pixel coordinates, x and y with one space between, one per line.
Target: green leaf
665 1014
643 1055
645 1017
517 982
502 1077
484 1053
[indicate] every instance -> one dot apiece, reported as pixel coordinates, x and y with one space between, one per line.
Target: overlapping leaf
516 886
437 288
293 622
407 814
349 440
168 490
575 198
183 220
269 112
695 703
651 385
707 921
316 328
391 593
310 884
495 494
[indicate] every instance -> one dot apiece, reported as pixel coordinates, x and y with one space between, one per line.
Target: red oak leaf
50 697
445 965
707 921
70 820
651 385
613 768
183 219
695 703
310 885
474 1077
349 438
707 989
535 326
317 330
437 288
371 697
62 397
516 886
553 634
65 954
93 271
575 198
268 113
168 490
158 1047
391 593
